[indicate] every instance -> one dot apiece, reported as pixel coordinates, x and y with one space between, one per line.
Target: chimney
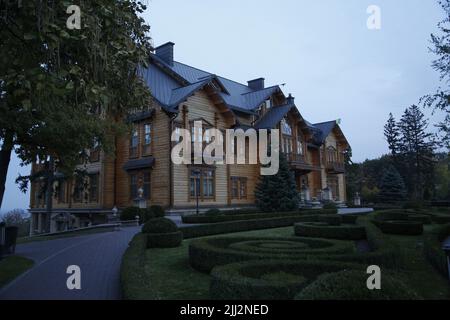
290 99
165 52
257 84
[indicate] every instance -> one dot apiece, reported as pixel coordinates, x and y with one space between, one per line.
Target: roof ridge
271 87
324 122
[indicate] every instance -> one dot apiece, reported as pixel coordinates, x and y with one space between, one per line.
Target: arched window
286 128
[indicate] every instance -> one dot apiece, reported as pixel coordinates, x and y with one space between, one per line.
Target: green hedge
349 218
400 227
204 254
440 218
422 218
351 285
164 240
331 219
242 225
226 217
153 212
130 213
159 225
267 279
433 248
322 230
132 271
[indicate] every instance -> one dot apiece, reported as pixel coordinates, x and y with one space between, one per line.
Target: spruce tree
392 187
277 192
391 133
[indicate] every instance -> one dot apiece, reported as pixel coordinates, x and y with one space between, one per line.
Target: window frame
147 148
200 179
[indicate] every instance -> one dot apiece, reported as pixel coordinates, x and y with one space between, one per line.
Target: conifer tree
392 187
277 192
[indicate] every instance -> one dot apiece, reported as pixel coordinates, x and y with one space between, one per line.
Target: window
94 153
331 155
93 187
147 185
286 128
238 188
133 186
201 183
147 139
299 146
78 190
287 145
134 141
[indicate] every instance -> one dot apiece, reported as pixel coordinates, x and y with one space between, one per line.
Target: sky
322 50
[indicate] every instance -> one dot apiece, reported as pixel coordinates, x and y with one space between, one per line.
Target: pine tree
392 187
277 192
391 133
417 150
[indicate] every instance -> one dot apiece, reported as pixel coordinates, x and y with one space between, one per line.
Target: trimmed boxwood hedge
422 218
162 233
331 219
349 218
244 225
322 230
432 246
400 227
351 285
164 240
268 279
226 217
204 254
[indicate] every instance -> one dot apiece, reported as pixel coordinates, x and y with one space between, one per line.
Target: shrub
351 285
242 225
440 218
212 212
422 218
159 225
349 218
268 280
204 254
413 205
330 205
331 219
321 230
132 270
432 246
130 213
400 227
154 211
164 240
393 214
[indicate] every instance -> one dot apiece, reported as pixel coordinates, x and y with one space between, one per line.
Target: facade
142 168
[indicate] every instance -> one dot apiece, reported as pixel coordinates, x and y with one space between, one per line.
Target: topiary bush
349 218
204 254
330 205
323 230
130 213
213 212
159 225
331 219
400 227
154 211
351 285
267 279
162 233
432 246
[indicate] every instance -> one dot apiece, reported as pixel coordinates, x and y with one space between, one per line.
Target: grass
63 235
171 277
13 266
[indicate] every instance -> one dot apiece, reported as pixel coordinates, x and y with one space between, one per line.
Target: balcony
299 162
335 167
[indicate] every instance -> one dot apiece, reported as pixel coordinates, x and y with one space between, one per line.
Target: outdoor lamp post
197 173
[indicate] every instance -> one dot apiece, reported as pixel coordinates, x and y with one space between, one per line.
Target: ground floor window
93 187
238 188
138 180
333 184
133 185
202 183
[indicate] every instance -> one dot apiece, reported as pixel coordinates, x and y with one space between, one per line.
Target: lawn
13 266
171 277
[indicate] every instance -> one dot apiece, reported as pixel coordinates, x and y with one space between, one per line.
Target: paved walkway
98 255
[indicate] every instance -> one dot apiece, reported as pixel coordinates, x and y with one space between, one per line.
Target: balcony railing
299 162
335 166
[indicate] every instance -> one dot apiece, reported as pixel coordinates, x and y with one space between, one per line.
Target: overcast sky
322 50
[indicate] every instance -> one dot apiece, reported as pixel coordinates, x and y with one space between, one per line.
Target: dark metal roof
325 129
143 163
273 116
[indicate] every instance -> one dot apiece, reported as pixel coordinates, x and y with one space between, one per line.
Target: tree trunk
5 158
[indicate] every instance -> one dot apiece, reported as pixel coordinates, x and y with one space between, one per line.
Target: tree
391 133
62 89
417 150
277 192
14 217
440 100
392 188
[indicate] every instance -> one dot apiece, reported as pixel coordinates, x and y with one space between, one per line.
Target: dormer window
268 104
286 128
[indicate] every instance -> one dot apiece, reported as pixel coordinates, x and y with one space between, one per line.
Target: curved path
98 255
